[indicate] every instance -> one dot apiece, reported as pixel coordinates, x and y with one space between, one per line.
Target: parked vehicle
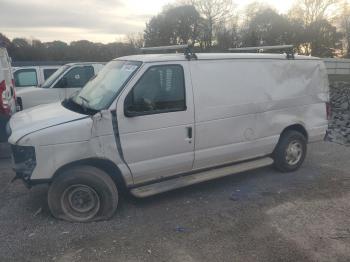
62 84
7 92
153 123
32 75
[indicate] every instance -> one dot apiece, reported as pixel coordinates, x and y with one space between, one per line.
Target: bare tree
311 11
213 12
344 25
135 39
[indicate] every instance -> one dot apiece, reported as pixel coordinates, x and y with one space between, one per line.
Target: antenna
261 49
189 54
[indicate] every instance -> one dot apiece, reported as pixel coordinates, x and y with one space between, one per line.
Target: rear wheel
83 194
290 151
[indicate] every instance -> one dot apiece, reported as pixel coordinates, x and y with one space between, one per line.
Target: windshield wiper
85 103
84 99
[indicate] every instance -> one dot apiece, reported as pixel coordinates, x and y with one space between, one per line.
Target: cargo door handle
189 134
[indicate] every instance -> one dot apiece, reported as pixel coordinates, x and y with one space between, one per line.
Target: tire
83 194
290 151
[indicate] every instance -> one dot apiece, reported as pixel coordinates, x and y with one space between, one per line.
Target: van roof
209 56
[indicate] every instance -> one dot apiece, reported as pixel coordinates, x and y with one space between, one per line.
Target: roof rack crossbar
261 49
164 48
189 54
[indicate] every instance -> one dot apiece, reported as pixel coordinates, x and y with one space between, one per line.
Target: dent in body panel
98 143
230 101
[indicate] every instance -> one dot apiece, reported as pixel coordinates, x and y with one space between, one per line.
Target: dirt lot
255 216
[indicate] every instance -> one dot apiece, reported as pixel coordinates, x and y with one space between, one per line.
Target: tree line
315 27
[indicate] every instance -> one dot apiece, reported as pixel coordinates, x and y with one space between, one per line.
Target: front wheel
83 194
290 151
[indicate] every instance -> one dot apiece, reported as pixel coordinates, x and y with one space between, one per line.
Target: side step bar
178 182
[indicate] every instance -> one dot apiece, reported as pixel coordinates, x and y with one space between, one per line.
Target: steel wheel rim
80 202
294 152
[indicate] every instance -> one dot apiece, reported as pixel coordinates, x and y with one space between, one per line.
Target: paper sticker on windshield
129 68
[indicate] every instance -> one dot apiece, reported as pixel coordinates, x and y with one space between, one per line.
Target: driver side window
161 89
77 77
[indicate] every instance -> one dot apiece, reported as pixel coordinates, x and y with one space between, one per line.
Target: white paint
237 106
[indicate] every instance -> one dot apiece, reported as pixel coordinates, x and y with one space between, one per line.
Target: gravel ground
261 215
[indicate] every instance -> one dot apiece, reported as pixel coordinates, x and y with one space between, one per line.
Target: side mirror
129 111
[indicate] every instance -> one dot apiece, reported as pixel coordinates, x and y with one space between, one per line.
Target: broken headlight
24 160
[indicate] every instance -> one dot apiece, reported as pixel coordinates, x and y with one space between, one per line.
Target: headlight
23 154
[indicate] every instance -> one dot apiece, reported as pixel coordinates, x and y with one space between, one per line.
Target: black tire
83 194
284 155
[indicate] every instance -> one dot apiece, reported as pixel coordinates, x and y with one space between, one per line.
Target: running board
183 181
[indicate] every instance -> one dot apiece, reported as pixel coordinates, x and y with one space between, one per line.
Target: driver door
156 120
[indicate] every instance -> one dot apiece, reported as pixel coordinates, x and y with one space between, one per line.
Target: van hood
40 117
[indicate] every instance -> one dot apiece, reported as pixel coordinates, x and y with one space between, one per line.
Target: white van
153 123
62 84
29 76
7 92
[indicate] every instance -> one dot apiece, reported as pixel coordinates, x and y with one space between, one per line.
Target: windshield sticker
129 68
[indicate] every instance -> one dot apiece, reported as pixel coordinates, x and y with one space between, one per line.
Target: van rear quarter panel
243 105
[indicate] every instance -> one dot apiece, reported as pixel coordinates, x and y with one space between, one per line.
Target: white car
62 84
29 76
7 92
153 123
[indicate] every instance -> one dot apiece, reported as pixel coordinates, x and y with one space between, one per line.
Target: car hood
40 117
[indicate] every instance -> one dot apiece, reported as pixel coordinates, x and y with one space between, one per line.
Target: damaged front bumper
24 161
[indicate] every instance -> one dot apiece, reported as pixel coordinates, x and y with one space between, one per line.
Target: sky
94 20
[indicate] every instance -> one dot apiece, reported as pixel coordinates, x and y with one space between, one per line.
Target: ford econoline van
154 123
7 92
62 84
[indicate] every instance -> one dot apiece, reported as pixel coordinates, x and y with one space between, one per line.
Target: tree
227 35
324 39
4 41
267 27
57 51
175 25
309 11
345 27
214 13
136 39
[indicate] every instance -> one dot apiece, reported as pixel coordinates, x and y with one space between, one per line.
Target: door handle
189 132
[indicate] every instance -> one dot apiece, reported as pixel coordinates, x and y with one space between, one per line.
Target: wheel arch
296 127
110 168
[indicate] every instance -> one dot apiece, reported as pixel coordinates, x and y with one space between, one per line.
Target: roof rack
261 49
189 54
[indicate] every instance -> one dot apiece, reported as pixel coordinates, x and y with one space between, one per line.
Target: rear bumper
317 134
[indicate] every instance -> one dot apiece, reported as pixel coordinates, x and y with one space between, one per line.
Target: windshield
101 91
54 76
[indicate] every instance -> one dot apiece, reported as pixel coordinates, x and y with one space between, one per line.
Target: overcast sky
95 20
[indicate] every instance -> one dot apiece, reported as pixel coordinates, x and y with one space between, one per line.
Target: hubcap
294 153
80 202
